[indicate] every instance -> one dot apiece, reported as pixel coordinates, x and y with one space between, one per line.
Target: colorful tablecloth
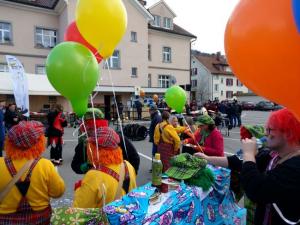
186 205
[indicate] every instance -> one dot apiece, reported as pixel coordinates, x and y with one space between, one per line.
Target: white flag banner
20 83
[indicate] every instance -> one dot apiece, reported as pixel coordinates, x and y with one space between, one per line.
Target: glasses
268 130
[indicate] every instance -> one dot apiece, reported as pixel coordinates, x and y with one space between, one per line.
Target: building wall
23 24
132 54
217 79
162 11
203 90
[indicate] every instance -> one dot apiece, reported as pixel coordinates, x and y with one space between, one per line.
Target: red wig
104 156
33 152
287 123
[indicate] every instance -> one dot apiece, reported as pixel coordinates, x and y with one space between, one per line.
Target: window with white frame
156 21
164 81
217 77
194 71
239 83
149 52
194 83
221 93
134 72
167 23
166 54
216 87
40 69
229 94
45 38
229 82
5 33
114 60
133 36
222 80
4 67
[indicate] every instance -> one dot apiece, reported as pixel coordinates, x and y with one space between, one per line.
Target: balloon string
193 136
88 145
95 129
116 105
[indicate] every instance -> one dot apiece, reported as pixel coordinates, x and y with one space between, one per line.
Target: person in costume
27 200
80 163
55 132
270 178
207 137
167 140
111 177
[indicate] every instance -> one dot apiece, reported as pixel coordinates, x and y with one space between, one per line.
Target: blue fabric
296 10
183 206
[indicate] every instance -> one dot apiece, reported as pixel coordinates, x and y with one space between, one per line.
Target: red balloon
73 34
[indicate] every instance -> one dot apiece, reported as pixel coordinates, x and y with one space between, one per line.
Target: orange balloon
262 46
155 98
142 93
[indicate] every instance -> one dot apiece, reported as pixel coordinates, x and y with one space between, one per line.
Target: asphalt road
231 144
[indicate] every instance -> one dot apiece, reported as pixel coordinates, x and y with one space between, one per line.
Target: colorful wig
33 152
104 156
287 123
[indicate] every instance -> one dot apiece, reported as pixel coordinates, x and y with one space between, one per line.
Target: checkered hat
185 166
25 134
106 137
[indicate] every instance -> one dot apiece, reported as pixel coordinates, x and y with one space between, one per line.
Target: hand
198 148
201 155
249 146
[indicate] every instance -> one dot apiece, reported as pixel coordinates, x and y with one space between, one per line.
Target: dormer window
167 23
156 21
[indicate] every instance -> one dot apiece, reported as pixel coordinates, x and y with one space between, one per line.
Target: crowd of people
268 175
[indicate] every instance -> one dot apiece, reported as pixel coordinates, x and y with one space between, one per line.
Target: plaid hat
256 130
106 137
204 120
153 107
25 134
89 114
185 166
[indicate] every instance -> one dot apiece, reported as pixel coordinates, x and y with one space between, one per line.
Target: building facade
153 54
212 78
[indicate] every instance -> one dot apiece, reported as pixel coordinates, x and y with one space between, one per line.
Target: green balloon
73 71
176 98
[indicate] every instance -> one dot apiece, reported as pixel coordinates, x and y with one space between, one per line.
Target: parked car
277 107
248 105
265 106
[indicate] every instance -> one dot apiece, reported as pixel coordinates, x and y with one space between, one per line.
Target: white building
212 78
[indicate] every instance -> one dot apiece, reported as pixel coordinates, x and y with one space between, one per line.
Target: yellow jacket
169 135
45 182
90 194
180 129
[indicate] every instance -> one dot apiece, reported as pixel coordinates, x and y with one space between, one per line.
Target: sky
204 18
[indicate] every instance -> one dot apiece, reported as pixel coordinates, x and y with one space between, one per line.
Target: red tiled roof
176 30
48 4
213 62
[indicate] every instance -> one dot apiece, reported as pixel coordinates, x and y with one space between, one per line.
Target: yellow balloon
102 23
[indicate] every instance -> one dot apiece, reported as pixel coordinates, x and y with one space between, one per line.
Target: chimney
143 3
218 55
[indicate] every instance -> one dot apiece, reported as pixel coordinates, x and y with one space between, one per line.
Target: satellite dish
173 80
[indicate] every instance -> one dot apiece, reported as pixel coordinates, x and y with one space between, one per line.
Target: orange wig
104 156
33 152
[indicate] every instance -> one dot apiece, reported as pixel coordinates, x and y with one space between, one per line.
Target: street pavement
231 145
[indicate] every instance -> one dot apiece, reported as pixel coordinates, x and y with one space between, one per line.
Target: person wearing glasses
271 178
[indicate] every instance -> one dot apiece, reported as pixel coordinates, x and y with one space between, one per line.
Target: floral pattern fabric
78 216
